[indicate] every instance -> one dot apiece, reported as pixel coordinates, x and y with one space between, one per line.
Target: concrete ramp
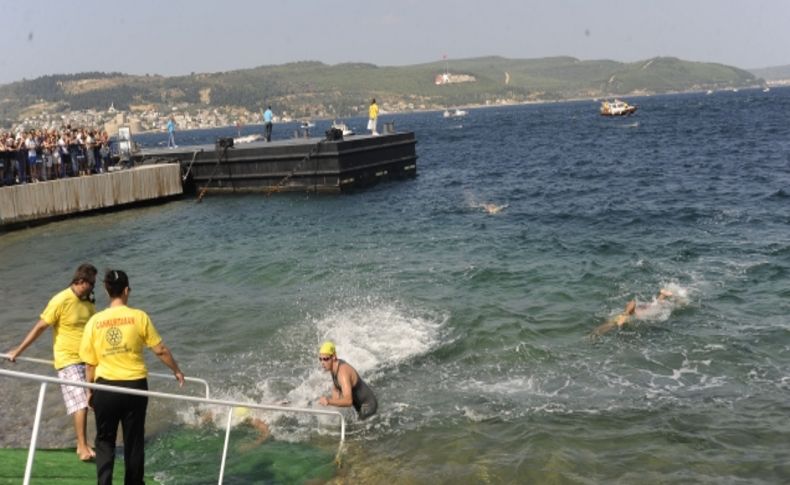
38 202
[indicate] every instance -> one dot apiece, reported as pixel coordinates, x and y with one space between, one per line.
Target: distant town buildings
187 117
141 120
150 117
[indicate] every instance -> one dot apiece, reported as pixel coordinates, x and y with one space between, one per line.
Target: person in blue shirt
267 123
171 133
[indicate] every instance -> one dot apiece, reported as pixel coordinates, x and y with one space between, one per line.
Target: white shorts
76 398
372 124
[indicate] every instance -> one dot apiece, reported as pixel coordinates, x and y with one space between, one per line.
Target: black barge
330 164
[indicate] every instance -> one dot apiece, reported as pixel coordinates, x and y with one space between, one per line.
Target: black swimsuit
362 396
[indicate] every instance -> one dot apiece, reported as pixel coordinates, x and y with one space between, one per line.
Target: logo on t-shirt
114 336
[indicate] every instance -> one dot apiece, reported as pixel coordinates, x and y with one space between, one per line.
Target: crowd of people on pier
38 155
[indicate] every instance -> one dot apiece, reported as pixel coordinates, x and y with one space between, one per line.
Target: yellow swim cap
327 348
241 412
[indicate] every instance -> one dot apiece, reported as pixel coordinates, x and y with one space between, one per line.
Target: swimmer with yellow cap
241 415
327 348
348 387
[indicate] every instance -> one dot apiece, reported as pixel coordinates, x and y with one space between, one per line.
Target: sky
178 37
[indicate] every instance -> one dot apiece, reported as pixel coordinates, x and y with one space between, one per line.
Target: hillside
773 74
320 90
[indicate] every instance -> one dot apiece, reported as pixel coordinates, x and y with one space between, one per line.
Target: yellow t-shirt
67 315
373 111
113 342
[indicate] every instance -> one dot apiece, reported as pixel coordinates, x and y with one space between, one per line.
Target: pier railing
231 405
50 363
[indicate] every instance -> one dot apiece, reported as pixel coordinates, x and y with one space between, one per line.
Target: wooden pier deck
33 203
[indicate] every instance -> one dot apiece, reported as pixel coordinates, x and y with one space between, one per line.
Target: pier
296 164
33 203
330 164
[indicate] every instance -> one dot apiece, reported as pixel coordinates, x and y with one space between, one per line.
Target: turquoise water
473 328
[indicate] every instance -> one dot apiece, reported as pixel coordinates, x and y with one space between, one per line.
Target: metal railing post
225 446
31 452
138 392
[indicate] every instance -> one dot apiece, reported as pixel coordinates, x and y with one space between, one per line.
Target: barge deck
297 164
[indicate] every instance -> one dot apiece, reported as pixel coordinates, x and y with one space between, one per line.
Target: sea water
472 327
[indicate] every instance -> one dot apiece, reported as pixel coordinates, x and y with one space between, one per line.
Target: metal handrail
154 374
123 390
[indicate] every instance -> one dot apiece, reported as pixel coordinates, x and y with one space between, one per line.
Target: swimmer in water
632 310
493 208
241 415
489 207
348 388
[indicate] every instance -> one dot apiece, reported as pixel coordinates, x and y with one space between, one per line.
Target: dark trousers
268 131
110 409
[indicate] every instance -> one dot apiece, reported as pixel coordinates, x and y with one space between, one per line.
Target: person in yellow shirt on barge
112 349
373 117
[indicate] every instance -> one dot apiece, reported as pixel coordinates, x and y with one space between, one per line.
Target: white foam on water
377 333
473 415
372 336
714 347
657 310
691 376
489 207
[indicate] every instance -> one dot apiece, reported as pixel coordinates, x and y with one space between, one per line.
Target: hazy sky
172 37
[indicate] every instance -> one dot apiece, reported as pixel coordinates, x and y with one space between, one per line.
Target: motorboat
456 113
617 108
342 127
247 139
307 124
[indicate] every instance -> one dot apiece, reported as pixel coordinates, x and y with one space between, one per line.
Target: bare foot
86 454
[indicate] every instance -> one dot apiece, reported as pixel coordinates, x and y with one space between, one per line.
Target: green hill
317 89
775 73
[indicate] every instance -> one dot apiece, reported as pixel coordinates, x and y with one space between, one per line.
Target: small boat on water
342 127
456 113
246 139
617 108
307 124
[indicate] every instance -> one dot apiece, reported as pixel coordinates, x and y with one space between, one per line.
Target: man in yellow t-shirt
112 348
67 313
373 116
